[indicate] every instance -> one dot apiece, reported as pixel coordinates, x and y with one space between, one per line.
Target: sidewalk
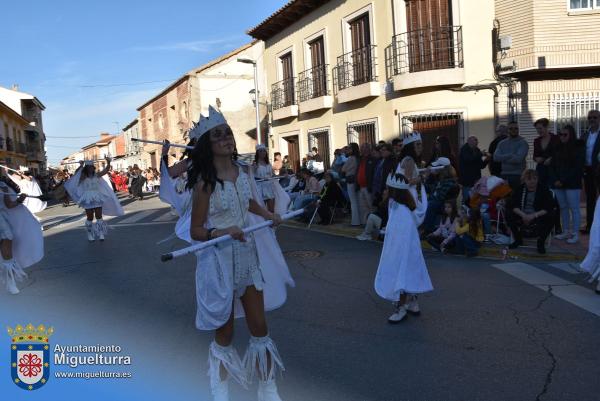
557 250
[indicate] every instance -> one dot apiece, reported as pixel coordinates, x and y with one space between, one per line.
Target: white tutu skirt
91 199
265 190
5 229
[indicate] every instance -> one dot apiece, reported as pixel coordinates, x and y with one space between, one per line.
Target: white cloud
198 46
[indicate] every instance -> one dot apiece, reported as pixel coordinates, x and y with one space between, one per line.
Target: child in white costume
402 273
246 276
95 195
21 239
591 263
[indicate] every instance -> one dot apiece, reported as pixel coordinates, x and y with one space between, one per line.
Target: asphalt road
483 334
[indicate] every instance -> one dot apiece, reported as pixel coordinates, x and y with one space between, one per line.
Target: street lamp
246 60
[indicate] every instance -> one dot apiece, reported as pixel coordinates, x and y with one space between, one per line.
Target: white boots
89 228
261 353
12 273
96 230
228 358
101 229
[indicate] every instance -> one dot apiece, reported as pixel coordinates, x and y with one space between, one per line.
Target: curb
484 253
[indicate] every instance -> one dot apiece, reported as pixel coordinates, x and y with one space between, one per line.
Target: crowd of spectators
497 195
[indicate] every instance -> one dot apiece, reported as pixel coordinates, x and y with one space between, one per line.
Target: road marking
570 268
577 295
166 216
136 216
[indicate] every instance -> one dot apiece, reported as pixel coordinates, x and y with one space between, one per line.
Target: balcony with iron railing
355 75
283 99
427 57
313 89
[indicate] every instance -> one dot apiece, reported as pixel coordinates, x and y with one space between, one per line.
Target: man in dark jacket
531 206
471 161
383 167
495 166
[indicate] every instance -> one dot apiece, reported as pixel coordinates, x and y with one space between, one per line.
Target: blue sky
74 55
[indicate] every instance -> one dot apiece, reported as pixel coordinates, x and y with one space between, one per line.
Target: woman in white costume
243 277
263 171
92 193
591 263
29 186
21 240
402 273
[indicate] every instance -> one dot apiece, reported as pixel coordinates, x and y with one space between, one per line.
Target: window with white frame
578 5
363 132
572 109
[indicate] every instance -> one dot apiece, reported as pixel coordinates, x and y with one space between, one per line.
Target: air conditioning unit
507 65
505 42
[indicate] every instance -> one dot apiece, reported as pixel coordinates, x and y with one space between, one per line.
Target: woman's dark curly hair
202 166
188 152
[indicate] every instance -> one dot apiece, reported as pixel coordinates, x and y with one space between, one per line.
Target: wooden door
430 35
317 57
321 141
361 50
431 128
293 152
288 79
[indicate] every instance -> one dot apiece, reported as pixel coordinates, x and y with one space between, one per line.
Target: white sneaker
267 391
221 391
573 240
564 235
398 315
363 237
412 306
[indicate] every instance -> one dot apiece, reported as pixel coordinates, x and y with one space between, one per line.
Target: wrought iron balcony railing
356 67
283 93
312 83
427 49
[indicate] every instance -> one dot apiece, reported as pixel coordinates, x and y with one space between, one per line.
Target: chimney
15 87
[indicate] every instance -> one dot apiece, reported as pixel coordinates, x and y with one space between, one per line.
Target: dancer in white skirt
264 170
92 193
402 273
21 240
246 276
591 263
29 186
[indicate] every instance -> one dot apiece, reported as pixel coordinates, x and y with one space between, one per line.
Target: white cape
214 276
110 206
402 267
168 192
28 240
591 263
31 188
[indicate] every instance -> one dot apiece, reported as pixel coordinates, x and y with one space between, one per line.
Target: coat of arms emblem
30 360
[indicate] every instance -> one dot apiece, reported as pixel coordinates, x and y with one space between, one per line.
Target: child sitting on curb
443 237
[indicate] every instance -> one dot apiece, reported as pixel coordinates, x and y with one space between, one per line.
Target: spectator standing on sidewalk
364 179
544 149
590 179
383 168
512 153
566 173
495 166
349 172
471 163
